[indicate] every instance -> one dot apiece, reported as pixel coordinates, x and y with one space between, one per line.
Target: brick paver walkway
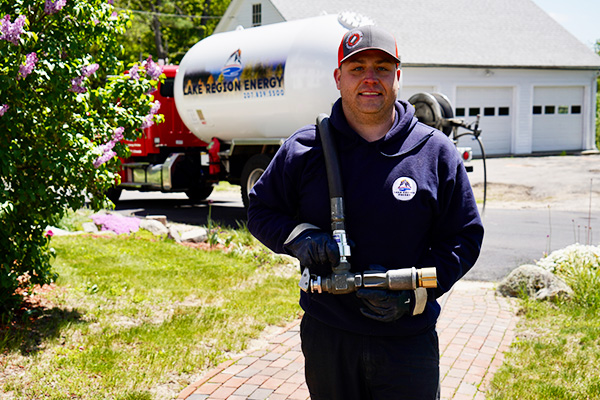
475 328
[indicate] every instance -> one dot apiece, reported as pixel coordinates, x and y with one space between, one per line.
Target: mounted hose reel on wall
435 110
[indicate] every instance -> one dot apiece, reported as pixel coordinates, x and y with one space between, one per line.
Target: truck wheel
114 194
253 169
199 193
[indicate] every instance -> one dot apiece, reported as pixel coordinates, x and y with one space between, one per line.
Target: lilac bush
65 104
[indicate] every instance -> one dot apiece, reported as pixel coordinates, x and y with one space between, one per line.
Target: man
408 203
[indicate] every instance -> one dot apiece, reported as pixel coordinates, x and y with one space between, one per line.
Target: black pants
340 365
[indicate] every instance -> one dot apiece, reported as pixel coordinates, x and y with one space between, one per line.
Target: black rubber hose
484 165
331 157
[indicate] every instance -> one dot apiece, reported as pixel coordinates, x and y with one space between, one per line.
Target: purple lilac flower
111 2
148 120
3 109
153 70
25 69
86 72
76 85
52 7
11 32
155 107
116 223
89 70
134 72
104 158
107 149
118 134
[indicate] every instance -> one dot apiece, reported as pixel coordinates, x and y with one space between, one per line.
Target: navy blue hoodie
408 202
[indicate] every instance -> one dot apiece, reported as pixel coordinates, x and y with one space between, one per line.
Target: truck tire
114 194
199 193
253 169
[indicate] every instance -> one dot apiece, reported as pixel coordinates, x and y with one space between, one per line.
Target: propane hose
342 281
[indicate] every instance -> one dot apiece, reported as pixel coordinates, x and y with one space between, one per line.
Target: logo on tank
404 188
233 66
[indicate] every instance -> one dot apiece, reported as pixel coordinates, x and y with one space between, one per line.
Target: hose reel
435 110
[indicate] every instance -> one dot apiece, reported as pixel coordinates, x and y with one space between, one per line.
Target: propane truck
232 101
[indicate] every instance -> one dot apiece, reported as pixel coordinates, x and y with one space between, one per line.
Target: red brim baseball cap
368 37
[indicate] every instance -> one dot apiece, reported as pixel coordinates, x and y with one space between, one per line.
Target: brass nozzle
427 278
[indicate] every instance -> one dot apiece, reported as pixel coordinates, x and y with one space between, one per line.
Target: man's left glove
386 305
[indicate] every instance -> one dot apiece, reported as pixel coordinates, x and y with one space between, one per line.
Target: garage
495 106
557 118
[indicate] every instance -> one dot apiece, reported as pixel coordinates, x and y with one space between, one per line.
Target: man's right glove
386 305
316 250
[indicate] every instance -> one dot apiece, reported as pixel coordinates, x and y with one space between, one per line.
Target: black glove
386 305
316 250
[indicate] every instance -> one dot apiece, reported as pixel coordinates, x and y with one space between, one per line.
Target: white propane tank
262 82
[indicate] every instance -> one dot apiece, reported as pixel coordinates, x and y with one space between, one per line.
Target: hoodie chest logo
404 188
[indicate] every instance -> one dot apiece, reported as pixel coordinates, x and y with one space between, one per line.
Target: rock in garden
534 281
154 226
89 227
174 234
196 235
160 218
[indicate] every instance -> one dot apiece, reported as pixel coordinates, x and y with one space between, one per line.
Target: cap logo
354 39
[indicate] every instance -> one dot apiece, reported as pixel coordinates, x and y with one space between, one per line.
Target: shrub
579 266
65 105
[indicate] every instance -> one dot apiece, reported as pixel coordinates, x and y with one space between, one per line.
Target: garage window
549 109
575 109
474 111
503 111
489 111
460 112
537 109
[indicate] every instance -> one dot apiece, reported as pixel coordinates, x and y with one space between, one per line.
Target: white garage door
557 118
495 106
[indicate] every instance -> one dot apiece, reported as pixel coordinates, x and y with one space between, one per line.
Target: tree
65 104
168 28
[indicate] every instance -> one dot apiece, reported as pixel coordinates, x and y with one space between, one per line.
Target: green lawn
133 314
557 352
